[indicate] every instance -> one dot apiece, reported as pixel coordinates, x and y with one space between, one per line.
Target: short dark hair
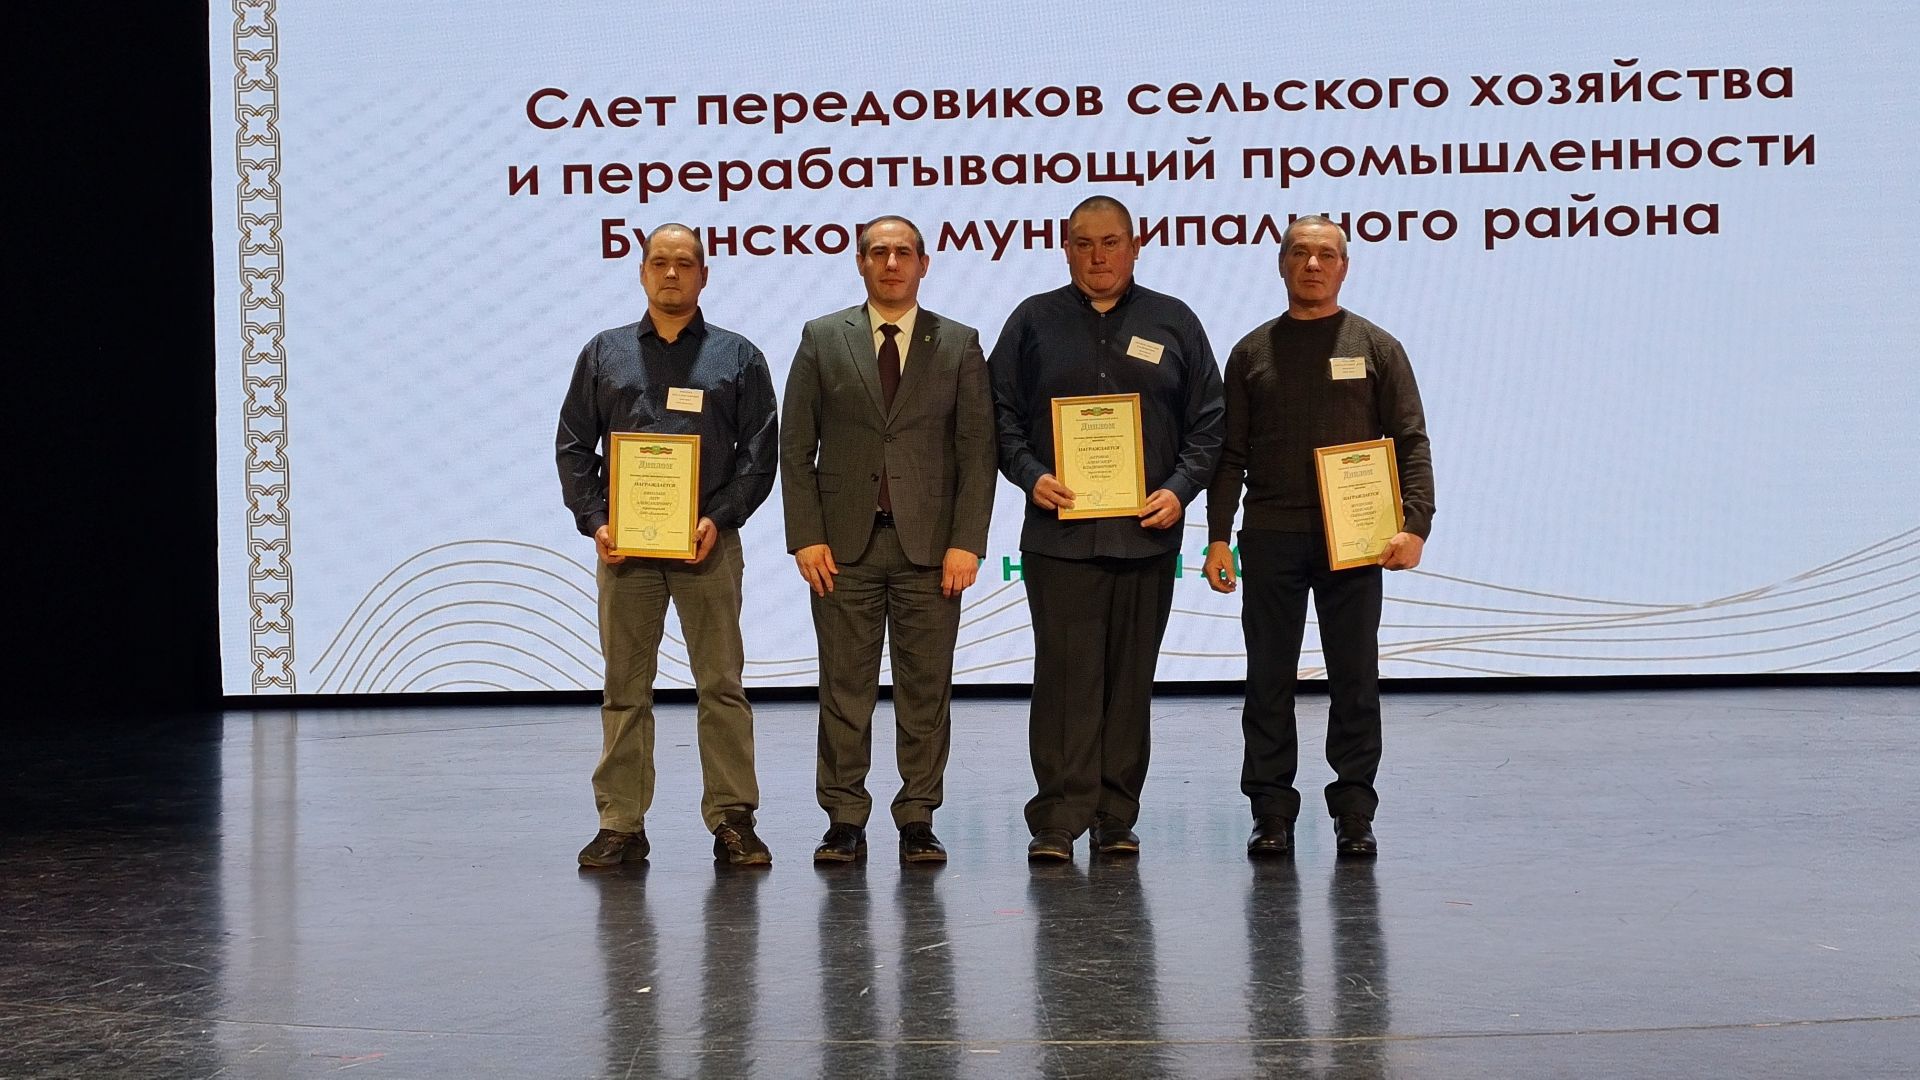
919 241
699 249
1095 203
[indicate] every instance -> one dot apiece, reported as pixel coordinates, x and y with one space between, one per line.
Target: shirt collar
696 327
1087 302
904 322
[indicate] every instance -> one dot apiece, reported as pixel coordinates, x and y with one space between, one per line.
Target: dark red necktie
889 386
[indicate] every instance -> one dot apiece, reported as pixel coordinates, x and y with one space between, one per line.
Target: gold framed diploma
653 498
1099 455
1359 501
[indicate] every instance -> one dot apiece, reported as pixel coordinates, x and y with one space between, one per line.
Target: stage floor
1689 883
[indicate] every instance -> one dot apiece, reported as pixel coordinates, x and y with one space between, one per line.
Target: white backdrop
1688 453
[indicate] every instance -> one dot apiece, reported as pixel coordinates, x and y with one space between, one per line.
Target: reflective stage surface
1691 883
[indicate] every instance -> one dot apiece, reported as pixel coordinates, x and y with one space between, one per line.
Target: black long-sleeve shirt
1056 344
620 383
1283 401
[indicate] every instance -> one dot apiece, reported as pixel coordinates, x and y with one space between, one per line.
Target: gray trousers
884 596
633 618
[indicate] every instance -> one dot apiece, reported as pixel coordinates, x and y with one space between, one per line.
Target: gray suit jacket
936 445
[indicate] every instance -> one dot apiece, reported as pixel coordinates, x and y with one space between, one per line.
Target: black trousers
1097 625
1278 570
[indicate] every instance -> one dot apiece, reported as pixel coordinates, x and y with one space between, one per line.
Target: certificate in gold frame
1359 501
1098 453
653 496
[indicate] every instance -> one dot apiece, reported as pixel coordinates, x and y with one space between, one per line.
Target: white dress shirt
901 340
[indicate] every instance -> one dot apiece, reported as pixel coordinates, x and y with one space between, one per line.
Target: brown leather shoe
1111 836
919 845
735 842
1050 845
610 848
843 843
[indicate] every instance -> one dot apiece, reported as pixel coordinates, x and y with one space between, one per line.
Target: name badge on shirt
684 399
1142 349
1349 367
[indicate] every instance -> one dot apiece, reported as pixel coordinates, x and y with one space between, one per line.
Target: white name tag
683 399
1349 367
1142 349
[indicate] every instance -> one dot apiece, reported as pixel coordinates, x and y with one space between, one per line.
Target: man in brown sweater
1316 376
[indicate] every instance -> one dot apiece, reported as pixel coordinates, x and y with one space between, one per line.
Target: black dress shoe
610 848
1111 836
843 843
1272 838
1050 845
735 842
1353 835
918 844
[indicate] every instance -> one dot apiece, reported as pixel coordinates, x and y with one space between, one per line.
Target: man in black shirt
1099 590
1316 376
672 373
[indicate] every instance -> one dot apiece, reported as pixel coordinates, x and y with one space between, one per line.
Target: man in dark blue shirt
1099 590
673 373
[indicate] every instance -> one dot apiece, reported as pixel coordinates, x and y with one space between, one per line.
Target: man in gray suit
887 469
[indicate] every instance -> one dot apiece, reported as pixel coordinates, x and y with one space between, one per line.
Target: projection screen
1653 265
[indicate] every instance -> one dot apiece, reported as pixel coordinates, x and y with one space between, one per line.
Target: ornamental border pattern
263 361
